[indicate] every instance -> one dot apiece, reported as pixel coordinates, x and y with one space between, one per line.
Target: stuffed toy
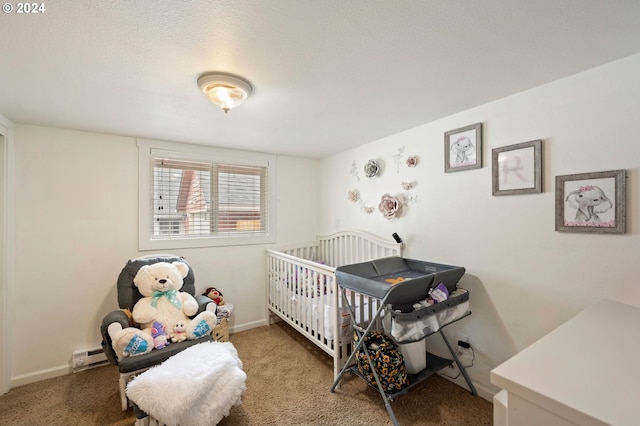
132 323
159 284
215 295
179 332
160 338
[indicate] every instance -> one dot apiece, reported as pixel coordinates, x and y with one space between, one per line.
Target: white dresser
586 372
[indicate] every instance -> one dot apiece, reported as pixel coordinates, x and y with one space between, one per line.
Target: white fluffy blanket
197 386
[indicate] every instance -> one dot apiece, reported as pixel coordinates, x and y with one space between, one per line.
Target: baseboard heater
88 358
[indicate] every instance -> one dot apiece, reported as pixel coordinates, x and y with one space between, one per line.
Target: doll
215 295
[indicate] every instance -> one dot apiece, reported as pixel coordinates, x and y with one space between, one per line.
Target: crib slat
304 293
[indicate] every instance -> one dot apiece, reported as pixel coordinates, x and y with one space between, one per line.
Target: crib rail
303 251
347 247
302 289
304 294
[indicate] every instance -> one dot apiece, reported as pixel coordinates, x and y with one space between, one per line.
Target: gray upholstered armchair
128 295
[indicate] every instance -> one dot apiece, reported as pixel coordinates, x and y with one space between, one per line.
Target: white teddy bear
162 301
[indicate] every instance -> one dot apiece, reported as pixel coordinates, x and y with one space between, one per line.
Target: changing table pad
402 281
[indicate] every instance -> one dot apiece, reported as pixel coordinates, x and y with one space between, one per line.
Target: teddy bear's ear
182 267
141 271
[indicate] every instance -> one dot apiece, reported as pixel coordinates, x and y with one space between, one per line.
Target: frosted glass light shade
225 90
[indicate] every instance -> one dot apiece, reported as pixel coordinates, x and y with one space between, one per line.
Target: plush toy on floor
215 295
159 284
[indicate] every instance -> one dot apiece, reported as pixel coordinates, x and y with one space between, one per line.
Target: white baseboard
247 326
483 391
49 373
36 376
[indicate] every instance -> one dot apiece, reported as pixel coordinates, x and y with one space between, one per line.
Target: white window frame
148 148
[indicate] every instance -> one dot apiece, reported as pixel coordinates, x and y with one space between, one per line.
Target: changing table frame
434 362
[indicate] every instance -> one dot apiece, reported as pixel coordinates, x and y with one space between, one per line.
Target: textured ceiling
327 74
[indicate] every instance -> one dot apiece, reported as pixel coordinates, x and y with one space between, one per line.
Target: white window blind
194 198
240 194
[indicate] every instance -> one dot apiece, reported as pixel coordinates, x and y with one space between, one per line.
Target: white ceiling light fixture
225 90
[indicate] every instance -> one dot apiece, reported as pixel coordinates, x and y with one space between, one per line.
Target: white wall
76 222
6 242
524 278
75 209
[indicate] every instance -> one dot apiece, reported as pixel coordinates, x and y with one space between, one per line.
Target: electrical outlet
461 338
465 356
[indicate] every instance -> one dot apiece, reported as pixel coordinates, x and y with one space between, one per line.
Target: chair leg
142 422
123 395
124 379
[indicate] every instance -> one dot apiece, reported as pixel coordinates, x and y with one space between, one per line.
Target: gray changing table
399 283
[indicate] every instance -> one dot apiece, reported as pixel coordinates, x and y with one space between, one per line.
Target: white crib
302 288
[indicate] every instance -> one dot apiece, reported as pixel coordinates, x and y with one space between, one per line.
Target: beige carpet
288 383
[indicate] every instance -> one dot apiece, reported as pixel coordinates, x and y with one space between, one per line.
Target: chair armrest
203 302
110 318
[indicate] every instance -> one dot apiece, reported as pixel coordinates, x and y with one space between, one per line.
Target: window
199 196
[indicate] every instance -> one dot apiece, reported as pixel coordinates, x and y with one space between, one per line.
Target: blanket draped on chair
197 386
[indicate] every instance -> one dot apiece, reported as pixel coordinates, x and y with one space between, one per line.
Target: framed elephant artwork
591 202
463 148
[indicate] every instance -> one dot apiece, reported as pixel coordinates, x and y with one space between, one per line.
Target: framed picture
517 169
463 148
591 202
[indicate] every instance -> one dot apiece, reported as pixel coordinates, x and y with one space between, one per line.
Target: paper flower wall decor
389 206
412 161
354 170
397 157
353 195
371 169
406 185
